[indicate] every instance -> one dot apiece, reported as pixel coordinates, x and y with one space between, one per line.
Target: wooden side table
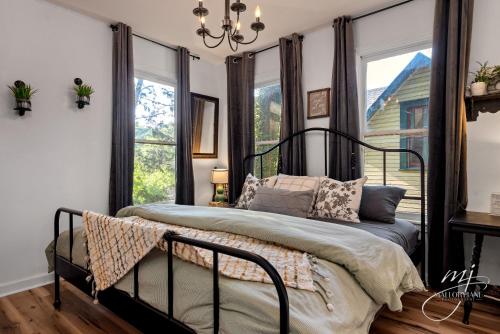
480 224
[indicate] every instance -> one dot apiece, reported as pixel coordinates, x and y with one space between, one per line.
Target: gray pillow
286 202
380 202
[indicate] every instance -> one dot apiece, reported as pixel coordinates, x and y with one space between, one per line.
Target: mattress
402 232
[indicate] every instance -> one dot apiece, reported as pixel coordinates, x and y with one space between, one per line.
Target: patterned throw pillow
339 200
299 183
250 188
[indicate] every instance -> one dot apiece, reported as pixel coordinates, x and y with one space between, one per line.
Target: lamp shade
219 176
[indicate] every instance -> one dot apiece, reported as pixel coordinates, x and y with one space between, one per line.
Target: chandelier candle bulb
257 13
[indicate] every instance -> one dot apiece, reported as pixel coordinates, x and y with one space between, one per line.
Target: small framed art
318 103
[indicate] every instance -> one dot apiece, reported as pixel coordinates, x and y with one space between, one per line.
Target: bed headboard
354 141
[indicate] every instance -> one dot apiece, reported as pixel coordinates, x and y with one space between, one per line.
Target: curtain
241 132
198 115
184 179
123 127
292 153
447 177
344 156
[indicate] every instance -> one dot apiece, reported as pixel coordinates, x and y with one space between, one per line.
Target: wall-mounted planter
83 93
22 106
23 94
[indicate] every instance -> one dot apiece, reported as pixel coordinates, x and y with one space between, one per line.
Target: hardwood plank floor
31 312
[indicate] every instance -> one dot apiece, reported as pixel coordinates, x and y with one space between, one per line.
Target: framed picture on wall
318 103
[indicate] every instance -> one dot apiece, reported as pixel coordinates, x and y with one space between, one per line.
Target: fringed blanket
115 245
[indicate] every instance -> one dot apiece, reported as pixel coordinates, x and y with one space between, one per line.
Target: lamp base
219 193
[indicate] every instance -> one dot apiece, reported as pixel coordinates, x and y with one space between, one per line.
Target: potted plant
83 93
496 76
23 94
482 78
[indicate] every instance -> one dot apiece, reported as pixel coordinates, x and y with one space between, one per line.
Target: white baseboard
10 288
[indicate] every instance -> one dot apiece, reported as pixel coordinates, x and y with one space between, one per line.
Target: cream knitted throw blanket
115 245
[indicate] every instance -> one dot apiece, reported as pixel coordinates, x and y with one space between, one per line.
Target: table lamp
219 177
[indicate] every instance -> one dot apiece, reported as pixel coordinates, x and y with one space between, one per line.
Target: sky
380 73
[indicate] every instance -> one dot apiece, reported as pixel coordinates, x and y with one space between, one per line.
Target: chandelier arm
237 20
231 45
213 46
215 37
253 40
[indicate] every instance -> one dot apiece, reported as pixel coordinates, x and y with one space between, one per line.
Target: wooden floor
32 312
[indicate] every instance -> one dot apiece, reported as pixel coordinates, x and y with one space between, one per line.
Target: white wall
56 155
484 136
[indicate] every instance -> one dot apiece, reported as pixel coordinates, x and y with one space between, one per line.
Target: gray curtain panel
344 164
184 179
447 176
241 132
123 128
292 153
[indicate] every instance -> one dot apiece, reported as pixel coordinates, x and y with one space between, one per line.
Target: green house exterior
398 119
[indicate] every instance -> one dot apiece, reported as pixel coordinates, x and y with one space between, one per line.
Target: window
267 126
396 116
154 167
414 116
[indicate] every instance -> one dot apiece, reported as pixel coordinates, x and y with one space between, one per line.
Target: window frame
404 141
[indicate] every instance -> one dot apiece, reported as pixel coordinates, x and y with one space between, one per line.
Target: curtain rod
301 37
381 10
114 27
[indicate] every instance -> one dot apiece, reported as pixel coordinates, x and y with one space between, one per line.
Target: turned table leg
476 255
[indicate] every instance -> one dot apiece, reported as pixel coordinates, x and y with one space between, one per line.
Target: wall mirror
205 113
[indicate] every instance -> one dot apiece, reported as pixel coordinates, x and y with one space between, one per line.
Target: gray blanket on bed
364 272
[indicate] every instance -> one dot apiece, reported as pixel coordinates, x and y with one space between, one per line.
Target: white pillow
250 188
299 183
339 200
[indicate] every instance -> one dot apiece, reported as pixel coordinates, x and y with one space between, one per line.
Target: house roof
373 94
418 62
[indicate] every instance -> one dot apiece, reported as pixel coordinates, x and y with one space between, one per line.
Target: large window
154 168
396 116
267 126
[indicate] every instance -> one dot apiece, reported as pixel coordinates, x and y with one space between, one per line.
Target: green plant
22 92
496 72
84 90
483 74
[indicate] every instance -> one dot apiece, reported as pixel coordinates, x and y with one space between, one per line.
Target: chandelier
229 28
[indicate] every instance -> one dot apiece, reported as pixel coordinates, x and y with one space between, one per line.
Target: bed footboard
137 312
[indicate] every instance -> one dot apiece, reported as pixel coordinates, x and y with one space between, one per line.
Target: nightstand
480 224
219 204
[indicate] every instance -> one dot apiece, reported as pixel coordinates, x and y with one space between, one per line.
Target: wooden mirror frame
215 100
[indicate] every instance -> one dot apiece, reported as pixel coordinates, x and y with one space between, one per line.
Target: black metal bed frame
139 313
418 255
148 319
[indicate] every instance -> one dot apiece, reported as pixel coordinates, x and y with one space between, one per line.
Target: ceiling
172 21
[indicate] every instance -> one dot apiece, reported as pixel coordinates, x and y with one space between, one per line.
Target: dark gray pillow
286 202
380 202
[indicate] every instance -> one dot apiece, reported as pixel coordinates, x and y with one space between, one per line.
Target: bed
198 300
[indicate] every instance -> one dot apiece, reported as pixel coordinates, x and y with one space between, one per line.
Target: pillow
286 202
339 200
380 202
250 187
299 183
